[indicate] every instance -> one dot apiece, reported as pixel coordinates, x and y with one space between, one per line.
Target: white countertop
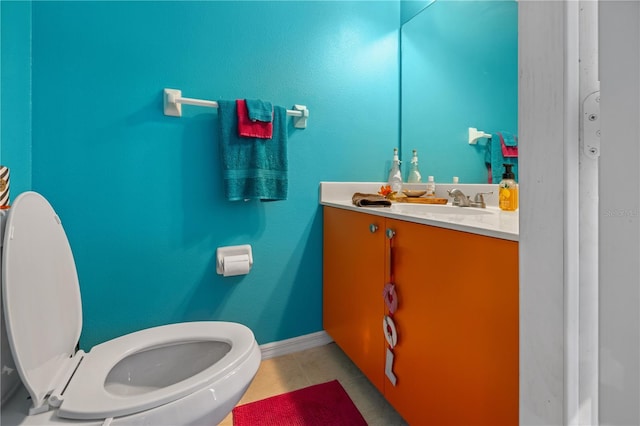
491 221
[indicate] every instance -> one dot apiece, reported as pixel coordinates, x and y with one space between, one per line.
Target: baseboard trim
295 344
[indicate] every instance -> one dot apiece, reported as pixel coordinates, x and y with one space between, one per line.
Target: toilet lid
41 295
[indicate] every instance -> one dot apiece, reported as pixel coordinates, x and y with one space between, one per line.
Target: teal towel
253 168
509 139
259 110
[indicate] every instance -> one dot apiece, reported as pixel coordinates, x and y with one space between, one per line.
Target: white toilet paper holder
223 252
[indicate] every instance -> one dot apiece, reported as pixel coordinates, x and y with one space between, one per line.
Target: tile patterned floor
318 365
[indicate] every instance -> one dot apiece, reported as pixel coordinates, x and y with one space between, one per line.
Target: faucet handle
479 198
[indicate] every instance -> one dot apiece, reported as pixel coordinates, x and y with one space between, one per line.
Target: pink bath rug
325 404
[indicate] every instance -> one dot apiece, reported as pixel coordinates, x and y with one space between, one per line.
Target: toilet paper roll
235 265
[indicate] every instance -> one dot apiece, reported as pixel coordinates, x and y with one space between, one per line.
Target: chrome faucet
461 200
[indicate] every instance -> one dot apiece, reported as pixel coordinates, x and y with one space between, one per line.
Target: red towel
508 151
251 129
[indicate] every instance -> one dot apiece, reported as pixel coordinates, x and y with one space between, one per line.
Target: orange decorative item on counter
385 190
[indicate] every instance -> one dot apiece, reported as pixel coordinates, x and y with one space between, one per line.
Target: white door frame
558 288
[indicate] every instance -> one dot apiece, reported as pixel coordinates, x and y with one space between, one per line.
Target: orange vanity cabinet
456 360
353 268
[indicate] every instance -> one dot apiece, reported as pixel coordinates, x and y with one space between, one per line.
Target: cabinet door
456 360
353 280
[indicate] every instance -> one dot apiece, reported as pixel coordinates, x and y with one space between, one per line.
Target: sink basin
438 209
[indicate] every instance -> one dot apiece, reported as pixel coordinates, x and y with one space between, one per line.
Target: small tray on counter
422 200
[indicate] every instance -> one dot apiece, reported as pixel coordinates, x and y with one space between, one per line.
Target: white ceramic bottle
431 187
395 176
414 171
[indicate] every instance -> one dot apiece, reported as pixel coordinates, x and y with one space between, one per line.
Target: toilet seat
87 398
38 272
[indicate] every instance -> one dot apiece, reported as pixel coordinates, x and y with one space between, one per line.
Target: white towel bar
173 101
475 134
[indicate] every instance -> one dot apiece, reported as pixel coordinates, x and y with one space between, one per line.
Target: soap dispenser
395 176
414 171
508 190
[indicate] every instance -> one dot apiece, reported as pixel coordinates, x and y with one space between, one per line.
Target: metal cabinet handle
390 233
373 228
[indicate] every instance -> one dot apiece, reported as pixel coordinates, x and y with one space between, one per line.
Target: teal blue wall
459 70
15 92
140 193
410 8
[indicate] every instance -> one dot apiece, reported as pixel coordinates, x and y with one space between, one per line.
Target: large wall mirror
459 69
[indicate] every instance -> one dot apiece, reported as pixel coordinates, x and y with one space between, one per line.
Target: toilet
190 373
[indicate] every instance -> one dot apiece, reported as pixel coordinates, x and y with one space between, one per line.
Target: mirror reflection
459 70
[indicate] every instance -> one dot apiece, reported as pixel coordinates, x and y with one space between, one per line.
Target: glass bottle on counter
395 176
414 171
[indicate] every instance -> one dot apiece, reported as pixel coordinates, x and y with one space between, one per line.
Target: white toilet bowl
180 374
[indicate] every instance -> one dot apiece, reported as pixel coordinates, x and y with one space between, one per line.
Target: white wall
620 213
